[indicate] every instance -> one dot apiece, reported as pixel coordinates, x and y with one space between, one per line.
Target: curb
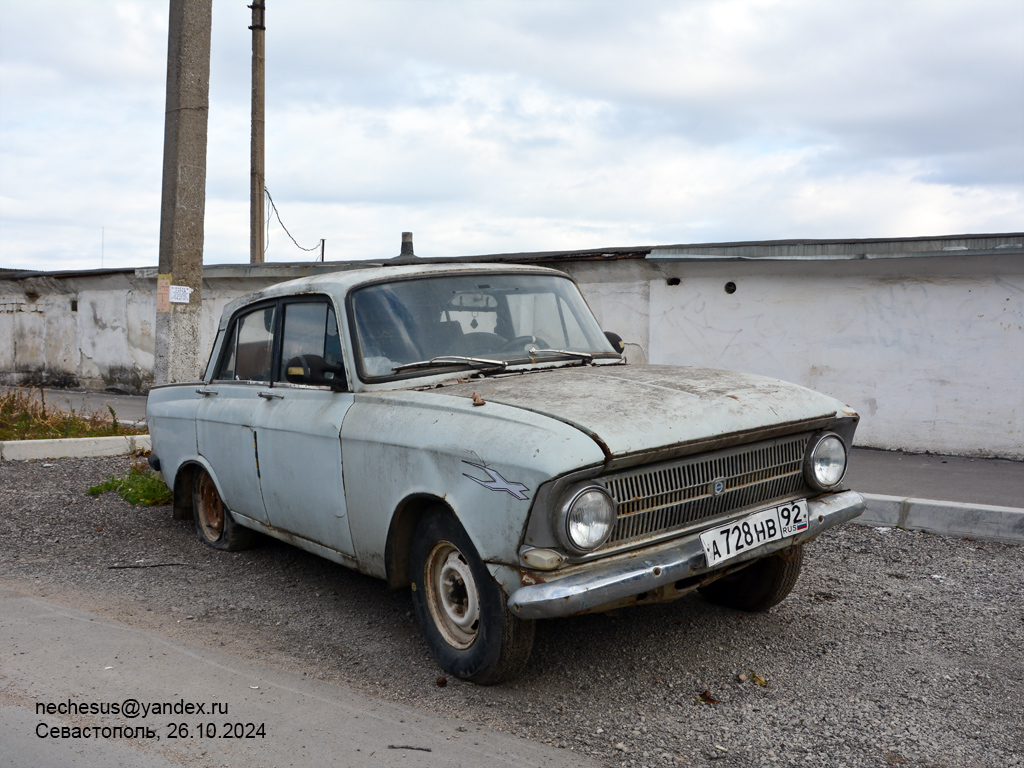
946 518
72 448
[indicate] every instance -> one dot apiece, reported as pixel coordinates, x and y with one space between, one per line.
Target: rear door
226 419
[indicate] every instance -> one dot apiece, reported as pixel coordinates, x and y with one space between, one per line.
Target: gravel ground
895 649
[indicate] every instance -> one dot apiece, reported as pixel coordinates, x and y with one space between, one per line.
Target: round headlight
585 518
825 464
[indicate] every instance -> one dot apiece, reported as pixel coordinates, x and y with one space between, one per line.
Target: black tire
214 522
461 609
761 585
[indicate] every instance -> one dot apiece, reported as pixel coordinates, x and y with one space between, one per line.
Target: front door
300 463
298 429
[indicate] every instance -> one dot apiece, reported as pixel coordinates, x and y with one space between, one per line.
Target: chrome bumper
649 569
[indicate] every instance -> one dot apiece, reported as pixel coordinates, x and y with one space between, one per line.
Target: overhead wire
273 208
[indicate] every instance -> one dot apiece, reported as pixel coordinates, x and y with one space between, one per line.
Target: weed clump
139 486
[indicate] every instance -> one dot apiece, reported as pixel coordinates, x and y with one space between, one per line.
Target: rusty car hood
637 410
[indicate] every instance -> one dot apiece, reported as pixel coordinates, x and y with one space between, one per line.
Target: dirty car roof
339 283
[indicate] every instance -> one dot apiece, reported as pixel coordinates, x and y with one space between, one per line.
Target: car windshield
483 317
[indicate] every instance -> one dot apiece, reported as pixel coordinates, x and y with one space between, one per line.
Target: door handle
206 391
269 395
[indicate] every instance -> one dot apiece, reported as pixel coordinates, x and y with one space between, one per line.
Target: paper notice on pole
163 293
179 294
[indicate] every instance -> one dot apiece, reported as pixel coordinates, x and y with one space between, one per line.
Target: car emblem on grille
716 487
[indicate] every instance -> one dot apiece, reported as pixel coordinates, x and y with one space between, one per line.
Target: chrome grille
661 499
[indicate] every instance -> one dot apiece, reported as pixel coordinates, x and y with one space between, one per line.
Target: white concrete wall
108 341
929 350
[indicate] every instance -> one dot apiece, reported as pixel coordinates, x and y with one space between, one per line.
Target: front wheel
461 609
761 585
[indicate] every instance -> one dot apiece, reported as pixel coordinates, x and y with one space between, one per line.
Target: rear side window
250 347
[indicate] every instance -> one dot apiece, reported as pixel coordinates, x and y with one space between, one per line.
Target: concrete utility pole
183 207
257 181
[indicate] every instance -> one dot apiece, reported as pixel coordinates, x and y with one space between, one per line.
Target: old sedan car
470 432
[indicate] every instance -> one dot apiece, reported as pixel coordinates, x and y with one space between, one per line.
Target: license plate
772 524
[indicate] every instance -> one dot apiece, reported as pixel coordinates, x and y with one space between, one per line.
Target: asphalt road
222 710
965 479
896 648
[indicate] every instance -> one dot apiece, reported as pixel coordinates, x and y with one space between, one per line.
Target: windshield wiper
582 355
475 362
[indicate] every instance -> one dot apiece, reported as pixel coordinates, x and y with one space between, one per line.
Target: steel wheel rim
452 595
211 509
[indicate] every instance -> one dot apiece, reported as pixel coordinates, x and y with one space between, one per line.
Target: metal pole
257 178
178 333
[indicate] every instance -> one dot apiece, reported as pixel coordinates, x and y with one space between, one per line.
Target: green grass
24 415
139 486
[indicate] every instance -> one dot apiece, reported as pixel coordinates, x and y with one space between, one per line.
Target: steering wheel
524 344
477 343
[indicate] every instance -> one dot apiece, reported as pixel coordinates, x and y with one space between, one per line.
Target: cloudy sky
491 127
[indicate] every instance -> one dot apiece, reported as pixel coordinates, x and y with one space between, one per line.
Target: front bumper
648 569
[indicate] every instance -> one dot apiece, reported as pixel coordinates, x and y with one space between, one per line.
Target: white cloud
509 126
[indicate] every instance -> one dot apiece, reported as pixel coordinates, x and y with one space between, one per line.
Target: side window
304 327
210 372
248 353
332 344
310 328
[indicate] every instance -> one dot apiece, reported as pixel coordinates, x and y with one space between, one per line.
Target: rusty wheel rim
452 595
211 509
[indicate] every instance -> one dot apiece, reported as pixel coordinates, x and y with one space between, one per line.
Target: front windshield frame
602 347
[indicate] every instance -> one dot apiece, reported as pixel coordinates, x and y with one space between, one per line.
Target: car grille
668 498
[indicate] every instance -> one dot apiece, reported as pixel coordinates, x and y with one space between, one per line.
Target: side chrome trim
602 583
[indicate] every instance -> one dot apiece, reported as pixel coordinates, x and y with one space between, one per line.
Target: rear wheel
761 585
214 523
461 609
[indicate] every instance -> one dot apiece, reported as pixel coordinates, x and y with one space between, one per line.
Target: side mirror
617 344
314 370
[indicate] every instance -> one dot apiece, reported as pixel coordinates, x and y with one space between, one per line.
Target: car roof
341 282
